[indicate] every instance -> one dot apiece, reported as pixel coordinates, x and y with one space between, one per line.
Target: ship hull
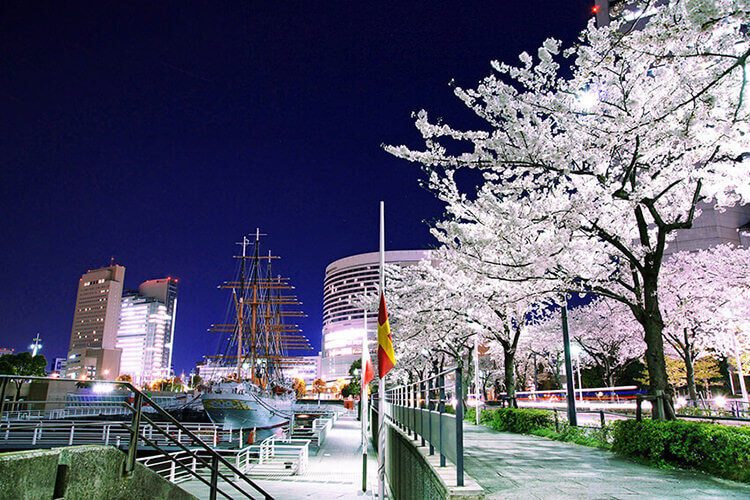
243 411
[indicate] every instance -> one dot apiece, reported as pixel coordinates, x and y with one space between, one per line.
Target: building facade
146 331
165 291
343 324
92 352
306 368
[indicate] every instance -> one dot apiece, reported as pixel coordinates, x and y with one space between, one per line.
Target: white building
146 330
143 322
306 368
343 325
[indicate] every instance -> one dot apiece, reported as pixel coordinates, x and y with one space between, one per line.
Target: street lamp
36 346
476 378
575 350
572 416
477 407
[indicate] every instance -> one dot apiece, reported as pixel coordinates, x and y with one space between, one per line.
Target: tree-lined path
517 466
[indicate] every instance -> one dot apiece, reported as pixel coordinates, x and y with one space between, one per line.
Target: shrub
719 450
485 416
542 423
521 420
596 437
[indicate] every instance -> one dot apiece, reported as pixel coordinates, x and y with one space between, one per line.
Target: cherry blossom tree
497 309
603 166
544 339
705 297
428 318
609 335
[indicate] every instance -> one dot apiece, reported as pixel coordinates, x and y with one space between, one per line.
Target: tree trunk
653 326
510 376
690 375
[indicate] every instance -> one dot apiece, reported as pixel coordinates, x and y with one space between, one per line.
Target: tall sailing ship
252 390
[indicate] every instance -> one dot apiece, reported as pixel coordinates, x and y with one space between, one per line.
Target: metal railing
419 409
203 455
31 433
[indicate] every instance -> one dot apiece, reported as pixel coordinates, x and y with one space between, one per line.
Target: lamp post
575 350
36 346
469 313
569 376
476 377
739 368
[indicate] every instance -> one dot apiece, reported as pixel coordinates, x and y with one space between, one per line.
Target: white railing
51 433
290 455
64 413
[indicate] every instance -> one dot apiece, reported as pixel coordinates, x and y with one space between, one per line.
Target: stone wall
80 472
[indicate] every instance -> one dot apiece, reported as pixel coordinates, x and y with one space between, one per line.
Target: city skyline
161 134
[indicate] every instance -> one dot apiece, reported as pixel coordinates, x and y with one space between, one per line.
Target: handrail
136 435
408 406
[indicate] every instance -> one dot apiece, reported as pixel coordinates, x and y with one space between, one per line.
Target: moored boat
250 389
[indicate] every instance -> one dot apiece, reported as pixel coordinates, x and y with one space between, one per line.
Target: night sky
158 133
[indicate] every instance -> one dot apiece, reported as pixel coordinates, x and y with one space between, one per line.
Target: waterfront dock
335 471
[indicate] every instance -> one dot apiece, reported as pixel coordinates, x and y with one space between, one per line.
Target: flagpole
381 380
363 404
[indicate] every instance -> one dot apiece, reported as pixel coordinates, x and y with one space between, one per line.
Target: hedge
716 449
519 420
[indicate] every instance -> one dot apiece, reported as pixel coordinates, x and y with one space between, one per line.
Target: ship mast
240 306
254 304
260 334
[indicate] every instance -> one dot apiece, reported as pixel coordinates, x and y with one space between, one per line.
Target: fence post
72 433
134 435
459 427
557 424
601 417
3 390
214 476
430 393
413 410
422 405
441 410
403 404
638 401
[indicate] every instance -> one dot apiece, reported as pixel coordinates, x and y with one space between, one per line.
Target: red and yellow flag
368 372
386 357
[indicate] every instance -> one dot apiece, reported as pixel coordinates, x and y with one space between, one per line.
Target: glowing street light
36 346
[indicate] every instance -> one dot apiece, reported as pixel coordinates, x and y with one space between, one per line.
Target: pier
334 471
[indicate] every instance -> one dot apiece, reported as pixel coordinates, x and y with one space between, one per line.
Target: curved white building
345 280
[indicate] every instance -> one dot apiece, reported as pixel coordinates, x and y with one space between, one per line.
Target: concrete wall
412 473
28 474
80 472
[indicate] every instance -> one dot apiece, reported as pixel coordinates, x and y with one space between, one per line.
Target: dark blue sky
161 132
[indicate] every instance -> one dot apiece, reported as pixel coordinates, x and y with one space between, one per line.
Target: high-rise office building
143 321
343 324
147 320
165 291
93 352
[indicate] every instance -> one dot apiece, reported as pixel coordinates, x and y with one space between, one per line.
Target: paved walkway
335 472
517 466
